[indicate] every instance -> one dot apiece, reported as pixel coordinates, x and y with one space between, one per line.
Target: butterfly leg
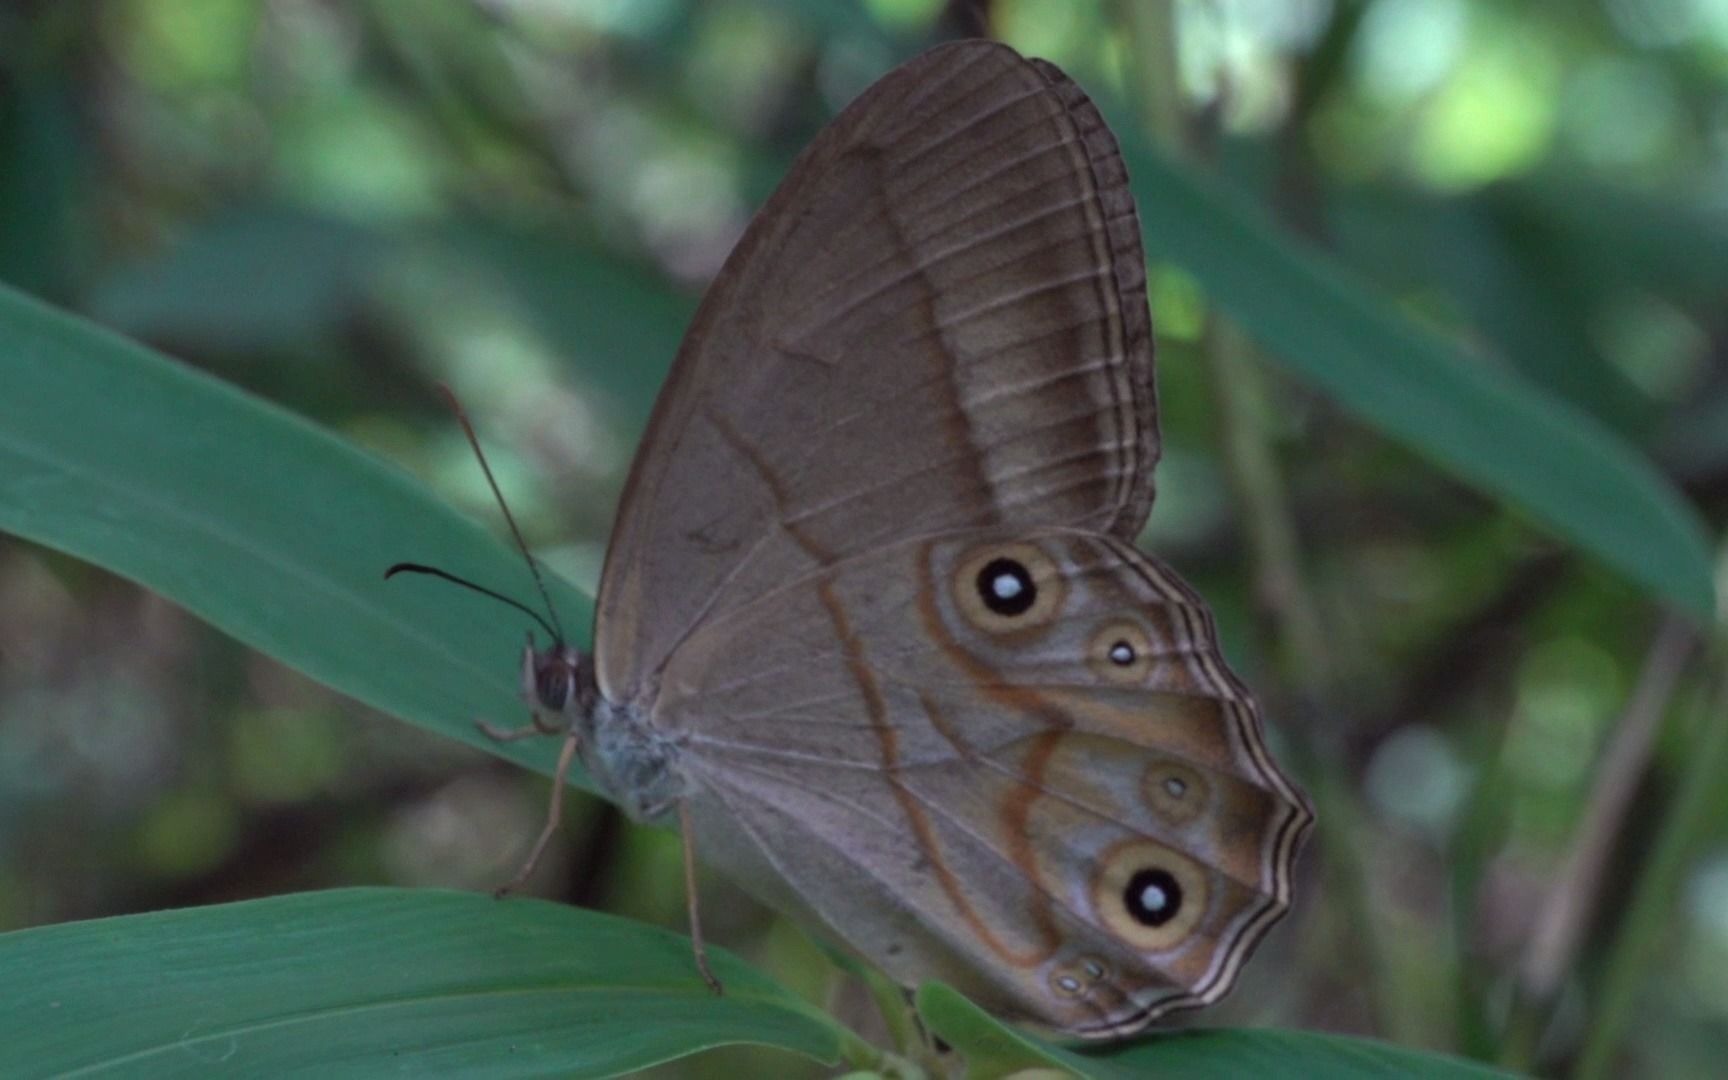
700 949
534 727
554 814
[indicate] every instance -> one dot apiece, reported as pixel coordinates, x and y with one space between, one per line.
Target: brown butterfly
873 622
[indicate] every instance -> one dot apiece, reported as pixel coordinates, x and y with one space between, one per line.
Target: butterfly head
557 678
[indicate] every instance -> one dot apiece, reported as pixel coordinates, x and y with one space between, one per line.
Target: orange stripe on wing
922 830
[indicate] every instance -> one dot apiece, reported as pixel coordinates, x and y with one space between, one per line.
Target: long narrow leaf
1483 424
267 526
364 982
992 1051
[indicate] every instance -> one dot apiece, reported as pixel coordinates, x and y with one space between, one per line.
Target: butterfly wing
938 321
1055 796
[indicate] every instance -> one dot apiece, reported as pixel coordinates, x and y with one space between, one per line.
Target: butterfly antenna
556 628
433 571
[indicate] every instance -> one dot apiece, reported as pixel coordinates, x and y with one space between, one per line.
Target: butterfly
872 623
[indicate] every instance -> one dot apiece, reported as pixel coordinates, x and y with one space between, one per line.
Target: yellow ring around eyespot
1117 867
1175 792
1047 581
1114 640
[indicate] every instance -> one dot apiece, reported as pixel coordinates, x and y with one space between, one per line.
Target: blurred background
336 204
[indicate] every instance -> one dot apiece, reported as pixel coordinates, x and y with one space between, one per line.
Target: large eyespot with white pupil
1174 791
1002 588
1120 652
1150 896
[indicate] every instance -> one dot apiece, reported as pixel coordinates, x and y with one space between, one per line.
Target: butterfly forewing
938 321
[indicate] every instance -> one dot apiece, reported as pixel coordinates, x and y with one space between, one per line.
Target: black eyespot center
1153 896
1006 587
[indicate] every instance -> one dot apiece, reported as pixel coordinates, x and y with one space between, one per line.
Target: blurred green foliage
334 205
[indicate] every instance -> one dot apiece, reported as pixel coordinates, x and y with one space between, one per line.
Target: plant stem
1237 385
1238 389
1156 80
1686 826
1572 895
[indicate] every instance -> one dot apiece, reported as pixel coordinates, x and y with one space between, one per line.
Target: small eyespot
1077 979
1008 588
1176 792
1150 896
1120 652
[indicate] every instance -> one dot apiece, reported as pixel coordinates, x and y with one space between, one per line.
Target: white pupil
1122 653
1176 787
1153 898
1006 586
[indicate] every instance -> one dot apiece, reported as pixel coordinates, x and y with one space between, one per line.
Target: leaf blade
270 528
993 1050
1482 424
355 980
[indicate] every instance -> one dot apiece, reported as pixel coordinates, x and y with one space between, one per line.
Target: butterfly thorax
633 763
636 765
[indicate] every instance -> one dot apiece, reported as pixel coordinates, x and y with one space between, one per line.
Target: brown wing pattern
987 796
939 321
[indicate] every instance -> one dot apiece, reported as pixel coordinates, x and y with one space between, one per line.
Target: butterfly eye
1002 588
1121 652
553 684
1149 895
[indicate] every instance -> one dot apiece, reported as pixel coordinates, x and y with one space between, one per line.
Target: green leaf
42 181
1479 422
249 277
992 1050
1522 293
363 981
1672 239
268 527
618 322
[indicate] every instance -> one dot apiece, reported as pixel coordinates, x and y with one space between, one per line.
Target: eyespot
1174 791
1077 978
1006 587
1120 652
1002 588
1149 895
1153 896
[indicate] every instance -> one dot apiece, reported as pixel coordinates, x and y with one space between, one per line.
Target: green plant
1471 434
